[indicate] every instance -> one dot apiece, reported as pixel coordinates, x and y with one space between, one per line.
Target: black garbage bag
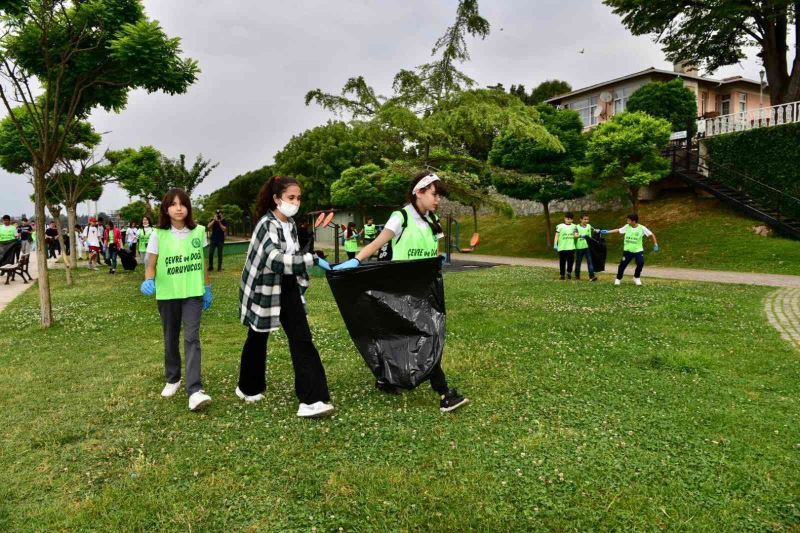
8 250
128 259
599 252
395 314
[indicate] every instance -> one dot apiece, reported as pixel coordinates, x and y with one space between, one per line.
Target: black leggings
566 259
627 257
310 383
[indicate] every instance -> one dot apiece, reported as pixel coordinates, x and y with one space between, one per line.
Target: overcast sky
259 58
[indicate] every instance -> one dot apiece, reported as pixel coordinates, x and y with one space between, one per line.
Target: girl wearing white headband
416 239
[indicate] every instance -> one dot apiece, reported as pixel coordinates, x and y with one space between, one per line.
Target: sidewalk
685 274
15 288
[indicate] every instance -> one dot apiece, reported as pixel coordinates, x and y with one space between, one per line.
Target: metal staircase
763 202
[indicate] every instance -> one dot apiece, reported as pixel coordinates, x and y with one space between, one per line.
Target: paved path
782 308
688 274
15 288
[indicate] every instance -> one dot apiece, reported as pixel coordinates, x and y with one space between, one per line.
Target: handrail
762 117
745 176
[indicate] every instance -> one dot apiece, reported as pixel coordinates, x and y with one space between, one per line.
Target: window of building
742 102
726 105
703 102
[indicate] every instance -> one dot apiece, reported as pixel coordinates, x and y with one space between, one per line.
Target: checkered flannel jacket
260 290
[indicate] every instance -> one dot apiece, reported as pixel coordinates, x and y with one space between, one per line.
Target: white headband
424 182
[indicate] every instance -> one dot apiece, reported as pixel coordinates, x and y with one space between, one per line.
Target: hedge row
769 155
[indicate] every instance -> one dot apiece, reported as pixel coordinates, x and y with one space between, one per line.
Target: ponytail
272 188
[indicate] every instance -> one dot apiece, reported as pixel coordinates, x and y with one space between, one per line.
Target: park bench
20 267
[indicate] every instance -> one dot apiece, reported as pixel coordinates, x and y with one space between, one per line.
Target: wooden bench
20 267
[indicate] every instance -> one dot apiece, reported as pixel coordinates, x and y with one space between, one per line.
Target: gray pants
26 247
173 313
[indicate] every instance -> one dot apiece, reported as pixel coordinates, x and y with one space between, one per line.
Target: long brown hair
164 221
273 187
439 188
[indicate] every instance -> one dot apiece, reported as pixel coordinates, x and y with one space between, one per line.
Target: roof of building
653 70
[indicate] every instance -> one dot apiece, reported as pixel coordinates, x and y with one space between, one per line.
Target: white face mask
288 210
146 225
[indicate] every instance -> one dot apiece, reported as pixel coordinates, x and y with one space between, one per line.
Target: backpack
385 253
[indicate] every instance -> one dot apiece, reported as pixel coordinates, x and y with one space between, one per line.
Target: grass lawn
672 405
692 232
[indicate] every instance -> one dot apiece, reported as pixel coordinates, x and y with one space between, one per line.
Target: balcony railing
749 120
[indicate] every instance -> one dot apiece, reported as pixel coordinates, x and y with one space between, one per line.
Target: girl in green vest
633 247
417 238
175 273
351 240
370 231
274 280
564 244
583 232
142 238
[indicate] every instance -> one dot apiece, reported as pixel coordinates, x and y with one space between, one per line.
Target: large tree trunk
72 215
633 192
784 85
45 306
546 206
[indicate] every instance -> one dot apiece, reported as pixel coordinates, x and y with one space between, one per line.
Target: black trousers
310 383
211 247
579 255
438 380
627 257
566 259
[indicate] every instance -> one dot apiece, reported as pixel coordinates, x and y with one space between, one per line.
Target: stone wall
527 207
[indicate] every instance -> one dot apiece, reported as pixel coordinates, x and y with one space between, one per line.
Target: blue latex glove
603 232
555 247
324 265
655 248
207 298
350 263
442 259
148 287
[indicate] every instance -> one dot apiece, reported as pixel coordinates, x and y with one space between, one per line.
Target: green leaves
670 100
369 185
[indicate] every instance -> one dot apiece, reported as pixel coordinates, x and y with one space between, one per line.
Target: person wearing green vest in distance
582 234
176 274
419 239
633 247
142 238
351 240
370 231
564 244
271 295
8 231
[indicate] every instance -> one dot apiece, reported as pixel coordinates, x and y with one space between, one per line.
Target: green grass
692 232
672 405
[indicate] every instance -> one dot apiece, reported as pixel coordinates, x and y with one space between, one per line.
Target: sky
259 58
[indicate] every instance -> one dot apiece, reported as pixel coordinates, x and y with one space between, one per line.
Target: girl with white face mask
274 279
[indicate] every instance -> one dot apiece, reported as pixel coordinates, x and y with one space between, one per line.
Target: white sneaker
314 410
250 399
637 281
617 281
170 389
198 400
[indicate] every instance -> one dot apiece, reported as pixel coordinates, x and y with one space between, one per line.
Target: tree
133 212
624 154
546 174
63 58
367 186
715 34
670 100
241 191
139 173
175 173
546 90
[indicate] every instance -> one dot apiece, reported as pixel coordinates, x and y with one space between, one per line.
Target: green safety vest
180 271
8 233
370 231
143 236
414 242
566 237
351 244
633 239
583 231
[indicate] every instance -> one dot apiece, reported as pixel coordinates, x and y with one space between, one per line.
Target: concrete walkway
686 274
16 287
782 308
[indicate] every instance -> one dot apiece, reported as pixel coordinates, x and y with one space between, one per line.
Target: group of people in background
351 235
23 231
571 241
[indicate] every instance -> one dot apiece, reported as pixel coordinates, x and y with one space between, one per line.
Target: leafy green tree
624 154
139 173
545 175
175 173
670 100
241 191
368 186
546 90
62 59
133 212
714 34
233 214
